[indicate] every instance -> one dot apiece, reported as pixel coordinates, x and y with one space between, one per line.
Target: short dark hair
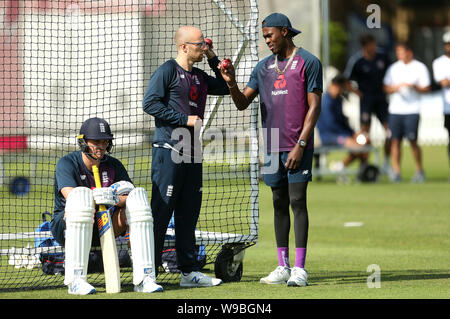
339 79
365 39
406 45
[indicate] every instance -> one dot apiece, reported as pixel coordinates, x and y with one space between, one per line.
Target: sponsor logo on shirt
280 92
193 93
279 84
193 96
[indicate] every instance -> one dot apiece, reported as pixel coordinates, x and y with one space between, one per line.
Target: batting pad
79 211
140 221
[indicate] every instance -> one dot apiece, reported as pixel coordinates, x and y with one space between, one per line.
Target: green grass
405 232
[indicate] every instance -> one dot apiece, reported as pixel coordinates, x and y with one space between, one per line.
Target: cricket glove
105 196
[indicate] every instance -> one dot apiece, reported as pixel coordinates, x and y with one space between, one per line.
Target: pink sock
300 254
283 256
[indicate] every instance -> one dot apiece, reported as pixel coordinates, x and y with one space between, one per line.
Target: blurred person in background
367 69
405 81
441 72
333 126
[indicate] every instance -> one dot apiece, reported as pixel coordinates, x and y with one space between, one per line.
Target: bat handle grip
98 183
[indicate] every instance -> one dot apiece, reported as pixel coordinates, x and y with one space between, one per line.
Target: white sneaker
279 276
299 277
197 279
419 177
80 287
148 285
387 169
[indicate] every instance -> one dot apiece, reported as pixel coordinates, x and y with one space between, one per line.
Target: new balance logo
195 280
305 172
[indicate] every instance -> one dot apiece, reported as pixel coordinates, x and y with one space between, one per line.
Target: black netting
66 61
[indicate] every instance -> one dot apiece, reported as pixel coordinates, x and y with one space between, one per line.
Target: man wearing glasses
176 98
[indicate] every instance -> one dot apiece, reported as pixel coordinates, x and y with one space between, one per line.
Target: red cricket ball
208 42
226 63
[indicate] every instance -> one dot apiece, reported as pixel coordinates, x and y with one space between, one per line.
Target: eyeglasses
198 44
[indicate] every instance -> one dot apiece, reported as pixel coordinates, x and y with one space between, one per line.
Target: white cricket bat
108 243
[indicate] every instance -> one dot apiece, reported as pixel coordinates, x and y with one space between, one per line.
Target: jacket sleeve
157 94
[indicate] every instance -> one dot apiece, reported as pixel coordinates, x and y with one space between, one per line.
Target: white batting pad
79 212
140 221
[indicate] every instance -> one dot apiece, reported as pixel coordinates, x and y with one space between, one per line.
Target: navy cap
278 20
96 129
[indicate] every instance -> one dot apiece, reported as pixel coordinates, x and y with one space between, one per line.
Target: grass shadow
389 275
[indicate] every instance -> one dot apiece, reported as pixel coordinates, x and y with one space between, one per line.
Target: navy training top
332 122
173 94
368 74
72 172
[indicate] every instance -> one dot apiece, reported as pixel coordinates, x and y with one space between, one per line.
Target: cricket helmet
94 129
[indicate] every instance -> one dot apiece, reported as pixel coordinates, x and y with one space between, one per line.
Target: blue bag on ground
53 262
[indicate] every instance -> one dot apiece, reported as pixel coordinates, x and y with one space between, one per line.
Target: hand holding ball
226 64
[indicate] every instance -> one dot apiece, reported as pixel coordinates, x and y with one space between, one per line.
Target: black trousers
176 189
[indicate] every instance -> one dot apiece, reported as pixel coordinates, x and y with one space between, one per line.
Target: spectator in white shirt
441 72
405 81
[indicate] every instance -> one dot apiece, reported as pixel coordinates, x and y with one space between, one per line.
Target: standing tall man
405 81
289 84
367 68
441 72
176 97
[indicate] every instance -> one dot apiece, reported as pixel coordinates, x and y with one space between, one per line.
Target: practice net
64 61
